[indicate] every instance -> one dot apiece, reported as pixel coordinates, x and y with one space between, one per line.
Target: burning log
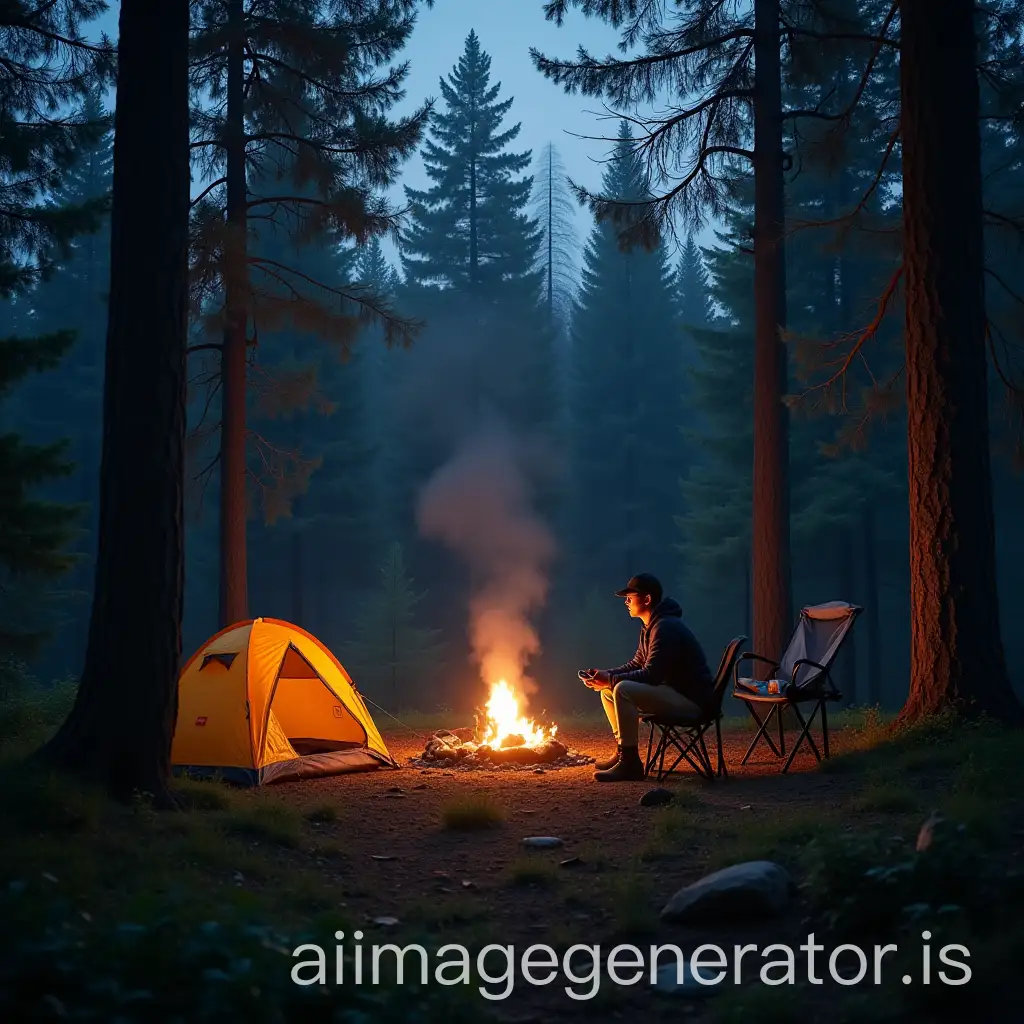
500 738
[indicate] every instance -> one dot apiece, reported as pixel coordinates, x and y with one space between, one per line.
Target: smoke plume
479 504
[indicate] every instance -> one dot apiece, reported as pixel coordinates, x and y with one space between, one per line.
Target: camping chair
813 647
686 735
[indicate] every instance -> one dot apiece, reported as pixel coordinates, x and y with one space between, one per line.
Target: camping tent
264 701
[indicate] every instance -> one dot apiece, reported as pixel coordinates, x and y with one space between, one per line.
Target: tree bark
957 658
119 731
871 597
772 599
234 585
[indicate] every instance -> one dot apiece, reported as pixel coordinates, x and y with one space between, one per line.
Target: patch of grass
267 819
990 765
203 795
469 813
883 795
321 814
777 838
207 844
527 869
310 893
673 825
632 903
983 816
41 801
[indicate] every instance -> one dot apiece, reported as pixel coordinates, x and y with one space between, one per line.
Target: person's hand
602 678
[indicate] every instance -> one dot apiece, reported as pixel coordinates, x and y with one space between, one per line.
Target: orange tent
264 701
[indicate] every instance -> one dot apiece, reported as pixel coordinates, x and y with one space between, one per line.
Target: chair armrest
750 656
813 664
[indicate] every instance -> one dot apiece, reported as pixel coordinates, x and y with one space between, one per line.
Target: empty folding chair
684 736
801 676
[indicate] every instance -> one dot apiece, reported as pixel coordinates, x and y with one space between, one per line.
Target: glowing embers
502 738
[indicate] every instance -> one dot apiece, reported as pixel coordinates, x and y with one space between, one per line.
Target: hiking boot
612 761
629 768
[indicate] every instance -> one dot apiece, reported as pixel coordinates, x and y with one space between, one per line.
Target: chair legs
689 745
805 731
762 732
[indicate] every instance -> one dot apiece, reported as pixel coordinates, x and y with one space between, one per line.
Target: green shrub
55 964
872 885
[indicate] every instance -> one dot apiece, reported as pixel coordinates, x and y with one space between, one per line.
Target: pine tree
47 67
291 129
34 532
394 658
554 211
68 400
628 361
735 58
716 492
470 253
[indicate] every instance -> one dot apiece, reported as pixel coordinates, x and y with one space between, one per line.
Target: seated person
668 675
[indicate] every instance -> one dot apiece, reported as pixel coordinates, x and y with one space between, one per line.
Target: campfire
500 738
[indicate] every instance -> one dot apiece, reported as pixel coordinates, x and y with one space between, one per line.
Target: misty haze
594 428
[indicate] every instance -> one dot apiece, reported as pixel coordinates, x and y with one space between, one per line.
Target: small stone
466 884
569 862
421 785
745 807
538 771
394 789
542 842
382 856
656 797
387 922
394 796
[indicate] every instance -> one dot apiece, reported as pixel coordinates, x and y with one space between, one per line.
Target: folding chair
685 736
813 647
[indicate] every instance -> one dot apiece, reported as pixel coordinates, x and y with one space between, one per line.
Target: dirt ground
395 858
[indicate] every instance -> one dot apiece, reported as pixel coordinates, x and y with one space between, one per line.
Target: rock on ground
757 888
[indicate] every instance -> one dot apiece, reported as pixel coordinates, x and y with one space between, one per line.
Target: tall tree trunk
871 608
956 649
120 729
746 595
846 573
234 584
772 596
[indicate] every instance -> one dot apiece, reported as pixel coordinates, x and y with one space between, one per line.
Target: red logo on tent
337 711
201 720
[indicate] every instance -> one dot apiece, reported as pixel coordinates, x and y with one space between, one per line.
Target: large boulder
754 889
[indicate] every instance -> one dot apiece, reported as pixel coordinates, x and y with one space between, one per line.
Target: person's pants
629 700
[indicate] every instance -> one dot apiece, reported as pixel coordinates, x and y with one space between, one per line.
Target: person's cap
642 583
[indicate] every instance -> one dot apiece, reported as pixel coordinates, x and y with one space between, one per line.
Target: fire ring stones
456 748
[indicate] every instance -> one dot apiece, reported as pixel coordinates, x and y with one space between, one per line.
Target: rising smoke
480 505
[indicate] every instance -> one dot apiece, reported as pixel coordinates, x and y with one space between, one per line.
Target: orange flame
504 721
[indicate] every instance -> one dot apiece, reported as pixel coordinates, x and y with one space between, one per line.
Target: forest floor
436 857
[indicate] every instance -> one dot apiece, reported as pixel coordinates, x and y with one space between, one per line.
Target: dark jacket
669 654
